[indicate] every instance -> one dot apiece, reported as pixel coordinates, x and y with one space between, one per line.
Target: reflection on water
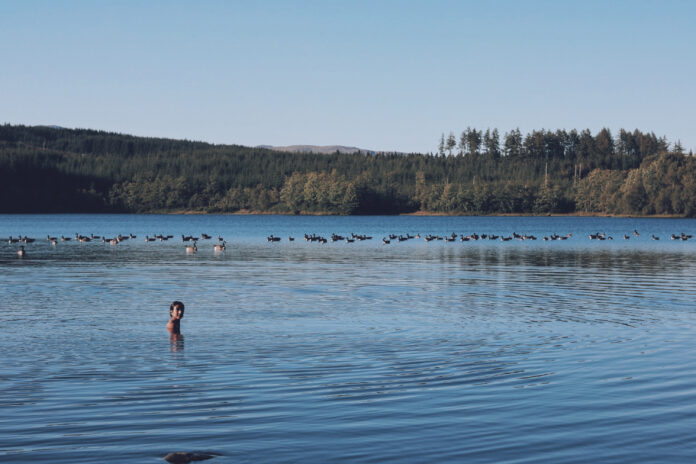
176 341
438 352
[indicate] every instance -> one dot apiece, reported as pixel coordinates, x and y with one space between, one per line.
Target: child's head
176 309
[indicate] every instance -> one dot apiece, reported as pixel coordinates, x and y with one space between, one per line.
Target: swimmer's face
177 312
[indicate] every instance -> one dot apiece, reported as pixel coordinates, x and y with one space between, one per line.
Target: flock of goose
191 242
603 236
464 238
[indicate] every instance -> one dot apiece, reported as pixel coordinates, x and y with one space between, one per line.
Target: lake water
480 351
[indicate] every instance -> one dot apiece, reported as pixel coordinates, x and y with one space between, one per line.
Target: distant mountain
326 150
52 126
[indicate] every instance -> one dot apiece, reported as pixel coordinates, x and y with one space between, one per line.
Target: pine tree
451 143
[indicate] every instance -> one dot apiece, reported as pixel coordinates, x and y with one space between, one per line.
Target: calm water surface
487 351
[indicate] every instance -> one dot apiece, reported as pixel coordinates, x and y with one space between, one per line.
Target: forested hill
49 169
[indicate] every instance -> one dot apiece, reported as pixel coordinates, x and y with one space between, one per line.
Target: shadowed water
486 351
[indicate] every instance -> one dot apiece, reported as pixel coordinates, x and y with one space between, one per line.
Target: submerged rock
181 457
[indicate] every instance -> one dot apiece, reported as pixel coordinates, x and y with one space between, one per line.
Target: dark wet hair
175 304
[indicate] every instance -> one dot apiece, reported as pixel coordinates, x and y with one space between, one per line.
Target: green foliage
46 169
597 193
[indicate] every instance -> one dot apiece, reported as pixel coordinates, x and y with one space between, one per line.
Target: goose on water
82 238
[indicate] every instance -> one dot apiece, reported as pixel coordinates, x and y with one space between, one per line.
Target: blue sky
382 75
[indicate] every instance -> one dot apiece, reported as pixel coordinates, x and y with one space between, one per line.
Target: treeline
48 169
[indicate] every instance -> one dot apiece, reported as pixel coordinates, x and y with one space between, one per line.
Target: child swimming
176 313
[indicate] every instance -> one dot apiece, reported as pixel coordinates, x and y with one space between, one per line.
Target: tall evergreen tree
473 138
451 143
491 141
513 143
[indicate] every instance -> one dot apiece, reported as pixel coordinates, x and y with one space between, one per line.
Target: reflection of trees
618 261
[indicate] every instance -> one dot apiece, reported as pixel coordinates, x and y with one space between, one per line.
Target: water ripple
486 352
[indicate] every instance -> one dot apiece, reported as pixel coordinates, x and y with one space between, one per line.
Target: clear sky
382 75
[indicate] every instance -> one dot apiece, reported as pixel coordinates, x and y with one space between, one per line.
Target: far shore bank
420 213
415 213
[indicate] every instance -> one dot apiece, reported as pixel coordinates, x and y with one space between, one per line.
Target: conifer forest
55 170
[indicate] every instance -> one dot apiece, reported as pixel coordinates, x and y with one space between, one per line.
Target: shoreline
415 213
580 214
418 213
